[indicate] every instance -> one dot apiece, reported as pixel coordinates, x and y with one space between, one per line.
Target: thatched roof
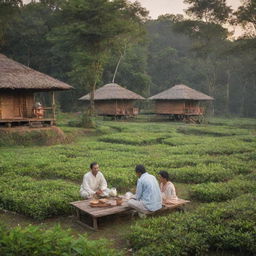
111 92
180 92
14 75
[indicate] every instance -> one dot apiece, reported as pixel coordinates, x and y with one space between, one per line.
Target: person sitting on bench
148 195
94 183
167 188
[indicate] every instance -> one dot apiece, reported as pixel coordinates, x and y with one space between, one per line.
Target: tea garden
212 165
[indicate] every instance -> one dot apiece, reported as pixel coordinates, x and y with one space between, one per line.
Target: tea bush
34 198
31 240
201 173
217 131
209 192
216 226
134 138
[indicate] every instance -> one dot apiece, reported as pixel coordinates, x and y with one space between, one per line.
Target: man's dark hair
164 174
140 169
92 164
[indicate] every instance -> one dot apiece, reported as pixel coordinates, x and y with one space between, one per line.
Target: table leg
95 223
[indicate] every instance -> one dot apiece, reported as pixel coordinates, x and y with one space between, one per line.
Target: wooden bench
88 216
175 203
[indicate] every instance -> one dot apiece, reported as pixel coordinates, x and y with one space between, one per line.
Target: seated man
94 183
148 194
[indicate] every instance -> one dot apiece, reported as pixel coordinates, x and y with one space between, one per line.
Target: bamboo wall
115 107
178 107
169 107
16 105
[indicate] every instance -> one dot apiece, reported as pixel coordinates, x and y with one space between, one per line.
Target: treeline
90 43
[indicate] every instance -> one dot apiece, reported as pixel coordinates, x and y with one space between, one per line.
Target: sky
158 7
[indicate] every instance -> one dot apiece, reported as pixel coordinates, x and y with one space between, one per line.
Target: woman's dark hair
164 174
92 164
140 168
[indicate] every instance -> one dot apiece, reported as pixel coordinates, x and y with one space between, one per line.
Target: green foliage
217 192
210 11
35 198
190 159
227 226
134 139
31 240
217 131
201 174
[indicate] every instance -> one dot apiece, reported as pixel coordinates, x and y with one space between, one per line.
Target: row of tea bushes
217 192
218 131
38 199
181 139
216 226
135 138
201 173
31 240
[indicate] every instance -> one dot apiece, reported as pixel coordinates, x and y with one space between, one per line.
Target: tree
90 29
246 14
209 10
8 10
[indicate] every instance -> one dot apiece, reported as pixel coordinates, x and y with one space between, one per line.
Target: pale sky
158 7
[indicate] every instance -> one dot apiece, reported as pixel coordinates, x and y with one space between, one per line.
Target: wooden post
53 107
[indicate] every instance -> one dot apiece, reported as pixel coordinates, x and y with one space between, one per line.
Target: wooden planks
84 206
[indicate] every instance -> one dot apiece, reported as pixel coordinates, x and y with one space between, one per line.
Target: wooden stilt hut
18 86
114 100
181 102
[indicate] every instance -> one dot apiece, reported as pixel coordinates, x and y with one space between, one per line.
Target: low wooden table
88 216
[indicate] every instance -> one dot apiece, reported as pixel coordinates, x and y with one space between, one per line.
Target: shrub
216 226
201 173
37 199
33 241
134 138
209 192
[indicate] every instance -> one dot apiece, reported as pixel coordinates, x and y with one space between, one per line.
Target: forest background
82 42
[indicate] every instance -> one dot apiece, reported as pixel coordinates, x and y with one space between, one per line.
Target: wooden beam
53 106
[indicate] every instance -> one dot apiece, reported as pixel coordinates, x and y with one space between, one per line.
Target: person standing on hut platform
94 183
148 195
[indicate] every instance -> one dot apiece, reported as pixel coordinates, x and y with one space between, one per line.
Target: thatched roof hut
180 92
114 100
18 85
113 92
180 102
15 76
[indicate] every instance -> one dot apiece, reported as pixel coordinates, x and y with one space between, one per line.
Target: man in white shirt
94 183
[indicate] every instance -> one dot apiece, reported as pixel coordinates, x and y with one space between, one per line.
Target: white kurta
92 183
168 191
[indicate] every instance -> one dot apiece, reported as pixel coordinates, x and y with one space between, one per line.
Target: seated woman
167 188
